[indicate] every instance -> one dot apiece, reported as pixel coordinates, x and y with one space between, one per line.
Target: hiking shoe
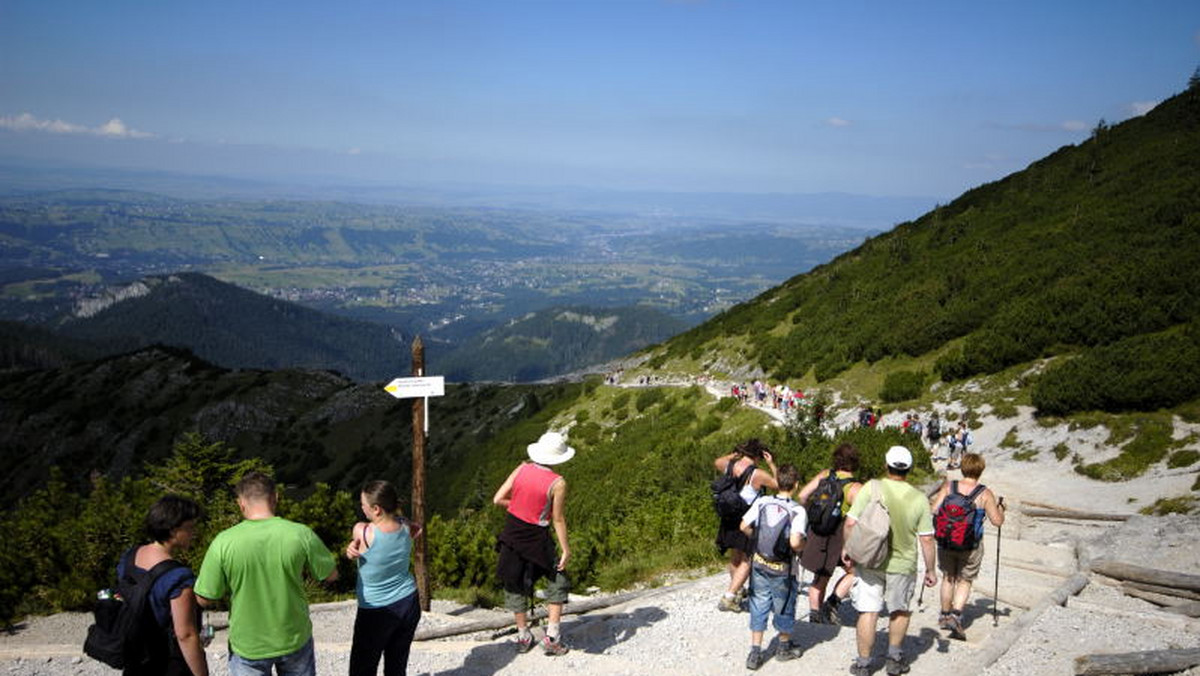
554 647
729 604
944 621
788 651
829 613
954 625
755 659
896 666
857 669
816 617
524 645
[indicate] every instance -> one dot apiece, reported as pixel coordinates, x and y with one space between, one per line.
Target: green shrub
1061 451
1183 459
1143 373
902 386
1163 506
1026 455
1010 440
648 397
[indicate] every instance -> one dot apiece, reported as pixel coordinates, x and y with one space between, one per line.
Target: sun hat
551 449
899 457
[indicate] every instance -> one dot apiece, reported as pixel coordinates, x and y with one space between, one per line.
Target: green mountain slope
1092 245
237 328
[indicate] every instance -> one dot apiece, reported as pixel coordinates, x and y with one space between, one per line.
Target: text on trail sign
411 388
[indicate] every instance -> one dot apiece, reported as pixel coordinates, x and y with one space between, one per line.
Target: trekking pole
996 589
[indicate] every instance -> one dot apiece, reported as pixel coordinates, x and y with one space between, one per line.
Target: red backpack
958 524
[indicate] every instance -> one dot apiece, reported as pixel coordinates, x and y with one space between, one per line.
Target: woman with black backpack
742 464
827 499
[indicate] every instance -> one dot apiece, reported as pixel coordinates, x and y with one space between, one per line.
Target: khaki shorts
871 587
556 592
964 565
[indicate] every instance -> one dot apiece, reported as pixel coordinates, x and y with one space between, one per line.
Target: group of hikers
931 433
780 397
780 534
261 565
773 527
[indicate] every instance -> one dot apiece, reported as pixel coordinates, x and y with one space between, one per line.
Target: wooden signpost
419 388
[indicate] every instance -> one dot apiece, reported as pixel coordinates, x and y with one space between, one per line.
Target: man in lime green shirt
894 581
260 564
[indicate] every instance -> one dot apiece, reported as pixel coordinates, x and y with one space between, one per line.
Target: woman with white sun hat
535 497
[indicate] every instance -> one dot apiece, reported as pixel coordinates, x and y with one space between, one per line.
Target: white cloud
838 122
1140 108
114 128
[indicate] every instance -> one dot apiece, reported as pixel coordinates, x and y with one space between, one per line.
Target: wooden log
1146 662
572 608
1157 599
1162 578
1159 589
1190 609
994 647
1072 515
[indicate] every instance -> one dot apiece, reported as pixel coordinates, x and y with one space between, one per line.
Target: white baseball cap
899 457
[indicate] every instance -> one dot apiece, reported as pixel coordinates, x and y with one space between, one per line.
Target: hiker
893 582
388 606
260 564
933 430
960 550
741 463
823 553
775 524
535 497
176 648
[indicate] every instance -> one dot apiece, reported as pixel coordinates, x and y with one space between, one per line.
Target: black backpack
126 634
726 492
825 505
958 524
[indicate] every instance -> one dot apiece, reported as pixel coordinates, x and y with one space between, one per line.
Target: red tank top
531 494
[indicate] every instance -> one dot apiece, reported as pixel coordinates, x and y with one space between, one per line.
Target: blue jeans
303 662
772 593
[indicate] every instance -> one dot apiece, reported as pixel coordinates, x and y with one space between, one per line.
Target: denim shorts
772 594
303 662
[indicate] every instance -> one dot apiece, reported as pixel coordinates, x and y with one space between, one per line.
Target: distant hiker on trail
535 498
827 505
732 503
933 430
775 525
959 509
894 580
388 606
865 417
172 640
260 565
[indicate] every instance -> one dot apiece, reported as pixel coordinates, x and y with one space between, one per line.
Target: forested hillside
1093 250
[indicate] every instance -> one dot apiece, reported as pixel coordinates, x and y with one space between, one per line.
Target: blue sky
875 98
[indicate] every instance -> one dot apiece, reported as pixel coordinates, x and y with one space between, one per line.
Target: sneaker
729 604
944 621
857 669
525 644
755 659
896 666
829 612
554 647
788 651
816 617
955 627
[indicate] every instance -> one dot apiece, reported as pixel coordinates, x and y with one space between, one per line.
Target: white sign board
412 388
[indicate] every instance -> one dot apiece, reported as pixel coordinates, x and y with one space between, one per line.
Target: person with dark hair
170 523
743 463
823 553
260 564
535 497
388 606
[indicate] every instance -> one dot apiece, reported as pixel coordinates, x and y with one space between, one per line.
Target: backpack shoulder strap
979 488
746 474
161 568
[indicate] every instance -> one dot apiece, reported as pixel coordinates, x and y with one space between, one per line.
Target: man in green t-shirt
260 564
911 524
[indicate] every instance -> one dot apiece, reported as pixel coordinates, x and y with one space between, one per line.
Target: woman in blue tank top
388 607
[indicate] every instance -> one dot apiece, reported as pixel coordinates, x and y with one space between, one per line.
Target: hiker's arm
929 552
504 493
810 487
992 508
333 574
183 618
558 515
796 539
722 462
847 525
939 496
768 481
